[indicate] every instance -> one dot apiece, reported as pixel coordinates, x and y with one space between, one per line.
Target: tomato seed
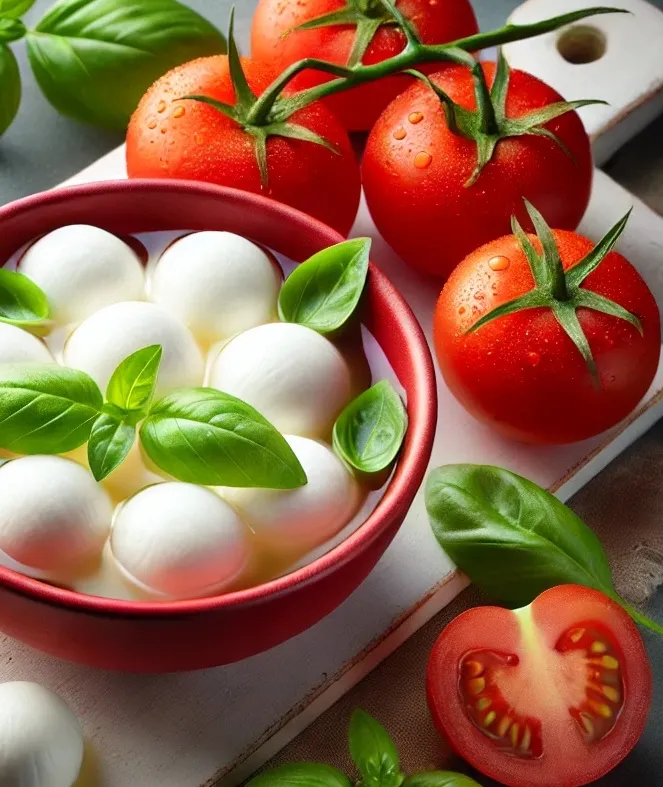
576 635
472 668
489 718
476 685
599 647
503 726
611 693
483 704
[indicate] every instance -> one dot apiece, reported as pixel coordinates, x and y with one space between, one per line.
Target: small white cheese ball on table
106 338
292 375
81 269
19 346
41 741
180 540
217 283
53 515
292 522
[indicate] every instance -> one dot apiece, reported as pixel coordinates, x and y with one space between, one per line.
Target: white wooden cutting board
190 730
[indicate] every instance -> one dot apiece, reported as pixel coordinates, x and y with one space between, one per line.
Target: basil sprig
197 435
22 302
94 59
128 396
376 758
323 293
368 434
373 752
46 409
514 539
204 436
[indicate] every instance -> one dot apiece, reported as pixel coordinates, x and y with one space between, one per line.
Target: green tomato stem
266 108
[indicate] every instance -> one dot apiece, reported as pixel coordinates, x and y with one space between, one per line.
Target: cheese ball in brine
217 283
294 521
109 336
81 269
19 346
53 514
292 375
180 540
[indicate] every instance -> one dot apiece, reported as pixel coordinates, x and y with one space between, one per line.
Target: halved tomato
551 695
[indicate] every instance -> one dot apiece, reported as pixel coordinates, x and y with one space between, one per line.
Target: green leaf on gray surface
94 59
374 752
304 774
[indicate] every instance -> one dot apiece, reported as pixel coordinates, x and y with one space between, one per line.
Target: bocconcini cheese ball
106 338
81 269
217 283
292 375
53 514
41 741
294 521
19 346
180 540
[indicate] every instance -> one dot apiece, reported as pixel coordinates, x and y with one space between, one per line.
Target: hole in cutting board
582 44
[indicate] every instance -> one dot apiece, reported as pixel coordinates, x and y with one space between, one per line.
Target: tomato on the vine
308 160
552 695
348 32
436 193
548 339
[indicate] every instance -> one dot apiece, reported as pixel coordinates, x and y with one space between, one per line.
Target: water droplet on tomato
400 133
534 359
179 112
422 160
415 117
161 107
499 263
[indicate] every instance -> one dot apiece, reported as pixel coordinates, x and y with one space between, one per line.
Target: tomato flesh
552 695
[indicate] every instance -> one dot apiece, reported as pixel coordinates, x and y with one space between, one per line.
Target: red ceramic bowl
185 635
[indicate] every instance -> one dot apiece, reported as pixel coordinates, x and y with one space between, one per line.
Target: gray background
42 148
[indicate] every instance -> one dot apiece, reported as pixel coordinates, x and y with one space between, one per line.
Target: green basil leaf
11 30
94 59
10 88
440 779
131 385
368 434
323 292
22 302
305 774
110 442
374 752
46 409
512 538
14 9
204 436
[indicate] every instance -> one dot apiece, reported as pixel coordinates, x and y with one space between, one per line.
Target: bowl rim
410 470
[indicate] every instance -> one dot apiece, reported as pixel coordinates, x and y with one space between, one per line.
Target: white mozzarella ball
180 540
82 269
217 283
109 336
293 521
19 346
292 375
41 741
53 514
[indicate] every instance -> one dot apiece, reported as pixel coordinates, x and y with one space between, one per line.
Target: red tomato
187 139
552 695
521 373
415 170
436 22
